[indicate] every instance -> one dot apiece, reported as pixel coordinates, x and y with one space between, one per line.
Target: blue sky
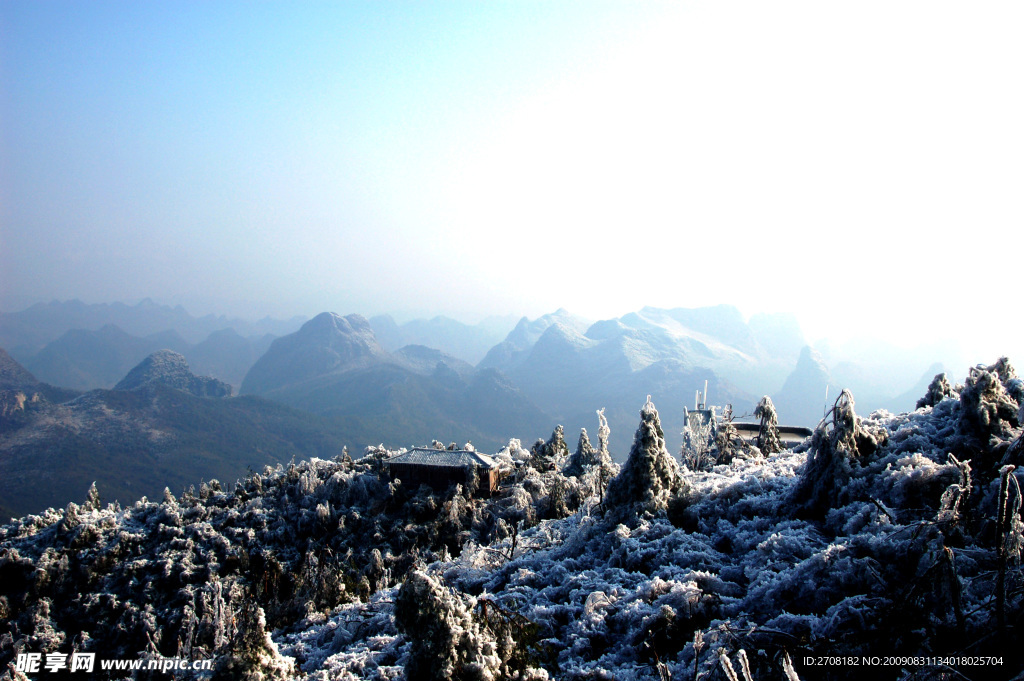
475 158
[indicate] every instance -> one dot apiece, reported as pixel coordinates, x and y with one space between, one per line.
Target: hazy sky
860 164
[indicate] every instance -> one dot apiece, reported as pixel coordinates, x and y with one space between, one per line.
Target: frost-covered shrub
698 451
712 441
253 655
446 641
93 502
507 456
516 641
589 470
768 433
837 445
1009 535
650 475
938 390
1004 370
986 409
550 455
728 441
954 505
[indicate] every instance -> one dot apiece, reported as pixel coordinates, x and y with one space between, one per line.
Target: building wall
439 477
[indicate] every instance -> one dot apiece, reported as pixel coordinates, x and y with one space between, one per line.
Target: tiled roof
458 458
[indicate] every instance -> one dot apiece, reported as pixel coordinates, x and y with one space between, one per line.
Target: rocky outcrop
13 376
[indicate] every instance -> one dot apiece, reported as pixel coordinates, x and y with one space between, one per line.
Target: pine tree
650 475
584 458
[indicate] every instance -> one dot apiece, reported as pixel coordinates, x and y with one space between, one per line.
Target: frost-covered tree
768 440
728 440
592 468
608 469
583 458
650 476
92 502
603 433
986 408
253 655
698 452
837 441
938 390
446 641
550 454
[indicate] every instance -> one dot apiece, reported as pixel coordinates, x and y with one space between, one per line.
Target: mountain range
344 377
84 359
161 427
468 342
26 332
334 366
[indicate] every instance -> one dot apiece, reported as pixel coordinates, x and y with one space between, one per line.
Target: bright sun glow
800 156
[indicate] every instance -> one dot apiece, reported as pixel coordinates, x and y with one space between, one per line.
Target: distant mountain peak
326 344
802 398
518 343
811 361
166 367
337 326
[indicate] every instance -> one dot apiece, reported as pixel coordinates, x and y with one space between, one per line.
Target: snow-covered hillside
885 546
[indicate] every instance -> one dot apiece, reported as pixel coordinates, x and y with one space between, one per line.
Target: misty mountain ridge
25 332
517 344
469 343
228 355
334 366
13 376
802 399
425 360
18 386
326 344
83 360
565 374
569 373
162 426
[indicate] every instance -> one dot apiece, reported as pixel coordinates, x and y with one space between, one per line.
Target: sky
859 165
